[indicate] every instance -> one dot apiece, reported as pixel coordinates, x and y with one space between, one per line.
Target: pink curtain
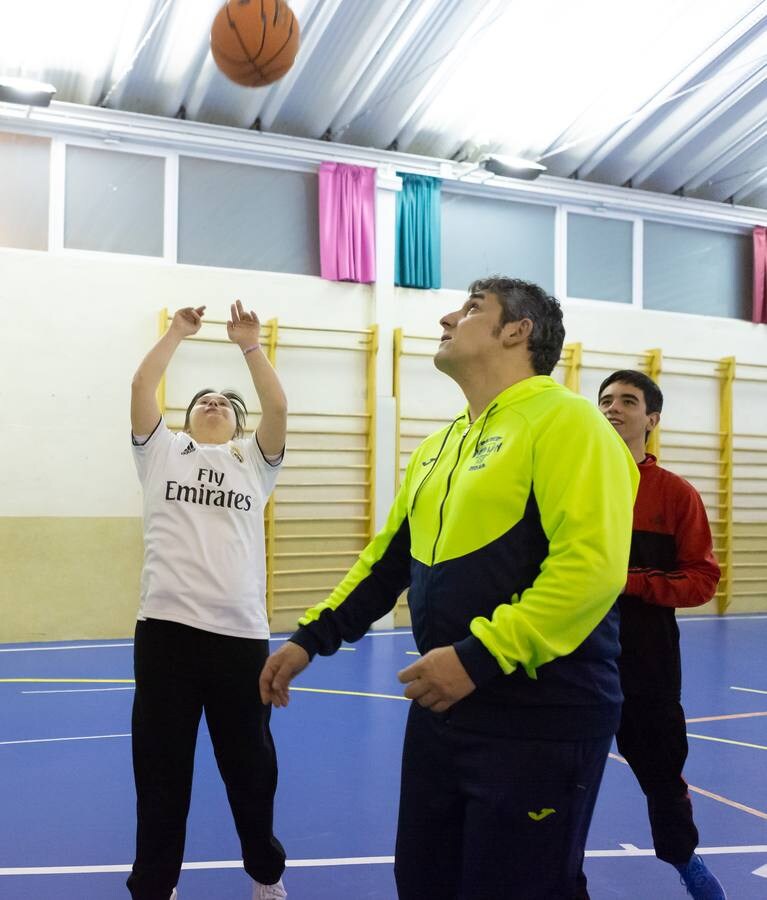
760 275
347 222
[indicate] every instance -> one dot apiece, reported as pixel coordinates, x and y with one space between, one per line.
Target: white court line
718 740
370 634
714 617
79 690
68 647
130 643
86 737
747 690
342 861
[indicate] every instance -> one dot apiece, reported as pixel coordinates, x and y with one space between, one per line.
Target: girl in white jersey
202 631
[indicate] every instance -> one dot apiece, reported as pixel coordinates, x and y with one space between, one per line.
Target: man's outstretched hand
279 670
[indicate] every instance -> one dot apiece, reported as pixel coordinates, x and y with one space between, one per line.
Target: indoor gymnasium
383 499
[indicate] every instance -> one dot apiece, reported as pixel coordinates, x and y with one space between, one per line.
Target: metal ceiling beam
160 79
705 65
753 184
696 121
739 172
411 76
728 149
380 61
317 24
411 118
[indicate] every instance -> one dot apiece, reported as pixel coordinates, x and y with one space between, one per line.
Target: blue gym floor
66 792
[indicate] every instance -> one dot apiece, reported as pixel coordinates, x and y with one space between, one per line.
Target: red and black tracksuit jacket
671 566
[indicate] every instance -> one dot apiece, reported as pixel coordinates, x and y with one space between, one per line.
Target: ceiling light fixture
511 166
26 91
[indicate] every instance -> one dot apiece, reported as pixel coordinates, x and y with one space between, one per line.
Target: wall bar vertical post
726 372
271 354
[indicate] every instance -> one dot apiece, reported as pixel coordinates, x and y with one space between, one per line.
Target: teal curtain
418 260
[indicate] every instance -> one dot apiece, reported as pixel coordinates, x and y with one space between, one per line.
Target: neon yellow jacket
513 535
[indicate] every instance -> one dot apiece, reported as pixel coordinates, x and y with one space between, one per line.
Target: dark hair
524 300
653 396
238 405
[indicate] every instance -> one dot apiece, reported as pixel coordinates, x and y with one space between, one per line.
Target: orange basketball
254 42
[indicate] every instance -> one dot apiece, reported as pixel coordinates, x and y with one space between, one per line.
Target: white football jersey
204 561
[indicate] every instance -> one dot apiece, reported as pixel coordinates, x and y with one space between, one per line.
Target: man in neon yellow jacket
512 531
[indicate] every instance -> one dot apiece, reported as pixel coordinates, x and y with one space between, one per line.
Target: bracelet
247 350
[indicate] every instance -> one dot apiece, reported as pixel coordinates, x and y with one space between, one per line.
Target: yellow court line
705 737
412 653
718 797
722 718
350 693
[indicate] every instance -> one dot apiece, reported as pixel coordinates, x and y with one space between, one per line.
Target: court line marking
627 850
275 638
748 690
368 634
717 618
750 715
711 796
67 681
718 740
79 690
86 737
308 690
349 693
68 647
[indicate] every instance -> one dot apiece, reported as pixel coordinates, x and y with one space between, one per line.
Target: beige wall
65 578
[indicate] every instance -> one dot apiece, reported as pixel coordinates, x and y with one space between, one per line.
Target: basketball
254 42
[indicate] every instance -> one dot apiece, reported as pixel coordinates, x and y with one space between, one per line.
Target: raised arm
244 329
144 411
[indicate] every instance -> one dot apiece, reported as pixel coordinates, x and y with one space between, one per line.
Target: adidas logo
190 449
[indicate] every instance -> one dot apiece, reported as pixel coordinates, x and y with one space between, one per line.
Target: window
483 236
246 217
693 270
114 201
599 258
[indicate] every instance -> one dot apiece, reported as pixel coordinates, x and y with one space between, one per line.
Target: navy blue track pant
492 818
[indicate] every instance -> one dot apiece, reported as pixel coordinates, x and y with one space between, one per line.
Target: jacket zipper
447 491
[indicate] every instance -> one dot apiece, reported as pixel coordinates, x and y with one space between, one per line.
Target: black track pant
653 740
180 672
489 818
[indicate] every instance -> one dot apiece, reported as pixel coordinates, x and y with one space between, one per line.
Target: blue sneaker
701 884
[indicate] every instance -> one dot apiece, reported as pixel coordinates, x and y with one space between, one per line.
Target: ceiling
661 95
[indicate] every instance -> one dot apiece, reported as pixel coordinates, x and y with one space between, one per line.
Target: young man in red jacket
671 566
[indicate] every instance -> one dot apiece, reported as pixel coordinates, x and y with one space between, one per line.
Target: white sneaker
174 895
269 891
